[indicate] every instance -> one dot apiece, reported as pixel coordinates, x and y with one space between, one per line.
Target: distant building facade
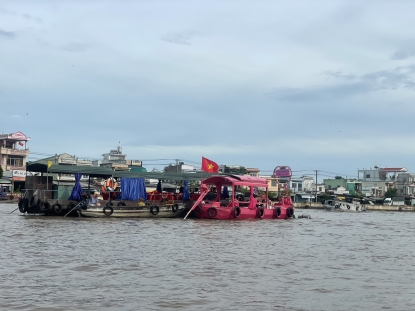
13 154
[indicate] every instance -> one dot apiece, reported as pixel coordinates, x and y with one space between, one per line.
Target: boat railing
45 194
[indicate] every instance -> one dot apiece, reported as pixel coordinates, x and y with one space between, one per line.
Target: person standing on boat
93 201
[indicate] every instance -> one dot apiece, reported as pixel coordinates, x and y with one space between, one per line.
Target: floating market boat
219 199
128 200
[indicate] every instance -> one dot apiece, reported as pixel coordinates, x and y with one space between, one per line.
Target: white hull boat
341 206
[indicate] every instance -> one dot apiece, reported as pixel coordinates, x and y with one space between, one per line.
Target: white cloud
243 83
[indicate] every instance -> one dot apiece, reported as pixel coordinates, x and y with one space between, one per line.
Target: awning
5 182
306 196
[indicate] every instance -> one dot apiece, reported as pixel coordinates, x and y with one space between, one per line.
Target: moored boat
341 206
131 210
256 205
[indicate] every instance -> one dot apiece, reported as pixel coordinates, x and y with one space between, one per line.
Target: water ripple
334 261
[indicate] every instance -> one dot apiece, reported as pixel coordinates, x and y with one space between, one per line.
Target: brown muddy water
334 261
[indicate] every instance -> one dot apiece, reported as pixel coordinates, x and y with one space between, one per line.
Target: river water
334 261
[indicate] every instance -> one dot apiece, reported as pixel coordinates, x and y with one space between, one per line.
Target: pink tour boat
221 197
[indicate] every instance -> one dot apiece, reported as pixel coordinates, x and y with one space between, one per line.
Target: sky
315 85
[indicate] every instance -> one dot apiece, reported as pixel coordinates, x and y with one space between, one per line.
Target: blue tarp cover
225 192
186 195
133 189
77 189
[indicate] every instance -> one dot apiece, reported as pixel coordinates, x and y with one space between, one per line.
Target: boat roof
105 172
229 180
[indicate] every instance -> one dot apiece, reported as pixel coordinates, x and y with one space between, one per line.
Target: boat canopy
237 180
96 171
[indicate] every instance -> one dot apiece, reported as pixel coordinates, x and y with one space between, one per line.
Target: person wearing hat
93 201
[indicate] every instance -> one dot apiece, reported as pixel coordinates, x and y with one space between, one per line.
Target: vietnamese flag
209 166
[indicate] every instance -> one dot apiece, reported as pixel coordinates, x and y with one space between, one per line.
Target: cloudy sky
316 85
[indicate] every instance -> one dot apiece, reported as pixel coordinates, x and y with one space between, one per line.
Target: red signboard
282 171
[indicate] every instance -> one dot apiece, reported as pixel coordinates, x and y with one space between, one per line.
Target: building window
367 175
15 162
329 186
294 185
320 189
273 183
300 187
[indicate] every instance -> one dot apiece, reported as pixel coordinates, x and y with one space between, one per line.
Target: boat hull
344 207
154 211
210 211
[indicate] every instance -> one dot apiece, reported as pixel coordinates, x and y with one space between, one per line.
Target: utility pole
316 184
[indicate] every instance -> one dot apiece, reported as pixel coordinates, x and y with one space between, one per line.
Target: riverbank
388 208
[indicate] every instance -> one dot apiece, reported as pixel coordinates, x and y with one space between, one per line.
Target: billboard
282 171
18 175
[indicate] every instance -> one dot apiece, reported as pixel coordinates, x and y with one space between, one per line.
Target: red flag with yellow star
209 166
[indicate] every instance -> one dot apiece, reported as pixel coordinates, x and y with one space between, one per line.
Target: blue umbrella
159 187
77 189
186 195
225 192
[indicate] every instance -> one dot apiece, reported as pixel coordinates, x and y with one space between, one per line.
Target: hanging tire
121 203
212 212
108 210
198 209
261 212
21 205
32 202
277 212
11 197
154 210
290 212
25 204
70 206
237 211
57 208
175 208
45 207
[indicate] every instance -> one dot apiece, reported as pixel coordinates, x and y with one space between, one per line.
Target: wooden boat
129 209
255 206
158 204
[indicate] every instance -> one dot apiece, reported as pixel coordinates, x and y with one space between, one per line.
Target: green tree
1 172
392 192
338 177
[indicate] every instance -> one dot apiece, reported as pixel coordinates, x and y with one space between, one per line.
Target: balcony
12 168
9 151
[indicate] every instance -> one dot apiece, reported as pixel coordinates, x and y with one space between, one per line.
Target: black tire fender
121 203
109 203
70 206
23 205
277 212
108 210
175 208
57 208
290 212
32 201
198 209
154 210
237 211
45 207
261 212
212 212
